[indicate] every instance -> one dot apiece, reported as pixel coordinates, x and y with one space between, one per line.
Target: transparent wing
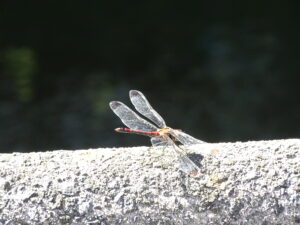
142 105
157 141
185 163
184 138
130 118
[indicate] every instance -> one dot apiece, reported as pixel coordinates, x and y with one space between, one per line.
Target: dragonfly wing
188 166
130 118
157 141
185 163
184 138
142 105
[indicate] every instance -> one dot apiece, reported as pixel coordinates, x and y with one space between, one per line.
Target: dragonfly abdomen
131 131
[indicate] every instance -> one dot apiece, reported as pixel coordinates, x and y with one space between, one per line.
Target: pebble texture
240 183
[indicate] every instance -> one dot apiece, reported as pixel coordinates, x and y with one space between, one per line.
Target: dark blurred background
219 70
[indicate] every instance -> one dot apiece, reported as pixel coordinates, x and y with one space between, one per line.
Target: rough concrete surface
240 183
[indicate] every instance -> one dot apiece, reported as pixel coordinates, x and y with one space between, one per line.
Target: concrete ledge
240 183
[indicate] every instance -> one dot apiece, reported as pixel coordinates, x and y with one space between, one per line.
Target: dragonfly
155 128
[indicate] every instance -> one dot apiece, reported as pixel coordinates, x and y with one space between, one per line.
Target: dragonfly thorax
164 131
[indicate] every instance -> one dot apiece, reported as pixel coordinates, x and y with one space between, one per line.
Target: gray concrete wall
239 183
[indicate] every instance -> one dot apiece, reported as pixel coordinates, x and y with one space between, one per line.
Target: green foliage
21 65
